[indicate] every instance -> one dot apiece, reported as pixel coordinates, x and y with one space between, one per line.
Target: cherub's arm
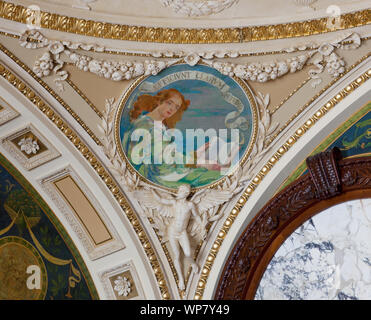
163 201
195 213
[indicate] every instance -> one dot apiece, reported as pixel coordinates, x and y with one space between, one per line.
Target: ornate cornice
58 22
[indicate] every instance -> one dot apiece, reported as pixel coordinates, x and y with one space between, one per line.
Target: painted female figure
155 115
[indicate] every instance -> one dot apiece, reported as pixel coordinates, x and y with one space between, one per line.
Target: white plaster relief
7 113
196 8
122 286
51 61
94 251
322 56
29 147
83 4
116 271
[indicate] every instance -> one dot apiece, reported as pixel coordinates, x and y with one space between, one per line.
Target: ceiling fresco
155 132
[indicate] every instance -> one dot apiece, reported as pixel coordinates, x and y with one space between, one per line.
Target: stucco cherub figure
178 218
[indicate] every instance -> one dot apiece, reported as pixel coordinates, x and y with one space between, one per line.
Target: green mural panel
353 138
37 257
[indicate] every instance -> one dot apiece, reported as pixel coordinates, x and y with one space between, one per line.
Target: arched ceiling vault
61 85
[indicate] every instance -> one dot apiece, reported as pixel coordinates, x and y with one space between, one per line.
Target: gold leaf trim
54 21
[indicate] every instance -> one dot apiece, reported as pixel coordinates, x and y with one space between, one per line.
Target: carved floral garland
321 56
113 70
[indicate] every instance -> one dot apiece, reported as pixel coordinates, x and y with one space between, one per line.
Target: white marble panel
328 257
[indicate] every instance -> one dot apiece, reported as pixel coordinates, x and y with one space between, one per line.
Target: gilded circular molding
254 130
54 21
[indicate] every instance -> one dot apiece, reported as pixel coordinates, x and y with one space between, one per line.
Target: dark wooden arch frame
330 181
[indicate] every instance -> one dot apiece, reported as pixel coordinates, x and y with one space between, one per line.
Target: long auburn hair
148 103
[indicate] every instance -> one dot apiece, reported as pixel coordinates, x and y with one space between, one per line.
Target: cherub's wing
210 198
152 206
206 202
160 213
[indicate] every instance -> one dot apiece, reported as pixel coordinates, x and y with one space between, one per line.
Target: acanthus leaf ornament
265 130
118 166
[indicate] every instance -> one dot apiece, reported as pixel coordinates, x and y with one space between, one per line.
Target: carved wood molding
324 172
289 209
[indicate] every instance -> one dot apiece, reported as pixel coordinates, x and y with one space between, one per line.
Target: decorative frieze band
107 30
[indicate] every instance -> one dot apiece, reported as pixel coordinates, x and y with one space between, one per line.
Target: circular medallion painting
186 125
17 256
